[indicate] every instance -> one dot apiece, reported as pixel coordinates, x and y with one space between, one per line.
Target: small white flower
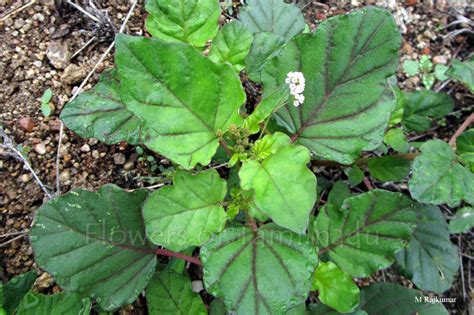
296 83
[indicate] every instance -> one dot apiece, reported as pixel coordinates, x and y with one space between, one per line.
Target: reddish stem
168 253
367 183
226 147
469 120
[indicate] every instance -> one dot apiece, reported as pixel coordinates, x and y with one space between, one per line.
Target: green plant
425 69
45 99
263 239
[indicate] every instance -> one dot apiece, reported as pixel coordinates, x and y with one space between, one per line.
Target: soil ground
27 71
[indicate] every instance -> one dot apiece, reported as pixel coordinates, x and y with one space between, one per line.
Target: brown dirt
27 73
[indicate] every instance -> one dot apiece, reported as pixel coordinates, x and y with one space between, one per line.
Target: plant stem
168 253
224 144
461 129
361 161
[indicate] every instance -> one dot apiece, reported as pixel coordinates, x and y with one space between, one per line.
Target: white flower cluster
295 81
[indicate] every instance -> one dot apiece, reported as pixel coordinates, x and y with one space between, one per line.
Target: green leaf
45 99
437 177
465 146
420 106
187 213
389 168
425 64
297 310
397 113
46 109
232 44
56 304
462 221
47 95
428 80
188 21
339 192
463 72
396 139
100 113
430 260
440 72
411 67
217 307
15 289
336 288
322 309
355 175
394 299
169 293
264 48
157 78
95 244
266 108
363 235
346 63
284 188
263 272
273 16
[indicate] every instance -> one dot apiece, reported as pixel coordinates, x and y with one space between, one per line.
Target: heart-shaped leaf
336 288
284 188
187 213
171 293
438 178
346 63
59 303
363 235
157 79
232 44
273 16
263 272
95 244
420 106
188 21
430 260
100 113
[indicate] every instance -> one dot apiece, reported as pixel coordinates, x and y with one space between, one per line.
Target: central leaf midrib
126 247
204 123
354 57
341 240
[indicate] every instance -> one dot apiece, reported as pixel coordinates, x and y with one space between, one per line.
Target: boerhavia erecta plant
255 228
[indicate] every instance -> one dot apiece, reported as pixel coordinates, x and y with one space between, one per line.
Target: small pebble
40 148
128 166
119 158
25 178
440 60
85 148
64 176
95 154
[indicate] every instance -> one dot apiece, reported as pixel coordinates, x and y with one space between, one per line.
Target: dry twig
10 147
16 10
